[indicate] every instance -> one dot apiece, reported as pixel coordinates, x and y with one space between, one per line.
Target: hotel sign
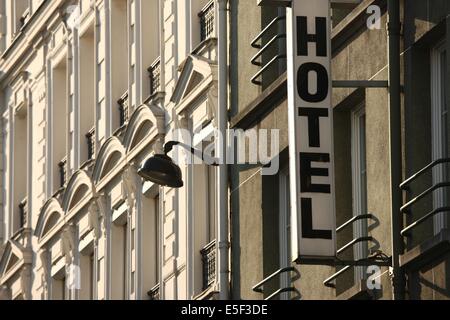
311 130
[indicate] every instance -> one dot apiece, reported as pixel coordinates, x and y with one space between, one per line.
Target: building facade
390 156
91 89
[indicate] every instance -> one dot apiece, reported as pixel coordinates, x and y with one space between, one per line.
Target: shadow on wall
422 288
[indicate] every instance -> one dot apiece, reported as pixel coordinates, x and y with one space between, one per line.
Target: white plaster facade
64 66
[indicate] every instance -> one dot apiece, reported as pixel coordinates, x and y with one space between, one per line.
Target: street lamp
161 169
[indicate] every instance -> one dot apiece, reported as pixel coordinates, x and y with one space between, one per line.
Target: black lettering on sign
320 38
307 172
307 223
313 115
303 82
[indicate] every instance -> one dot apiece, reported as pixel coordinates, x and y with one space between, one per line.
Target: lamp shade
161 170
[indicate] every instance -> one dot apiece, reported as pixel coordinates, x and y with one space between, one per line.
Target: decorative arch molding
51 215
146 123
111 153
195 72
79 187
16 259
198 77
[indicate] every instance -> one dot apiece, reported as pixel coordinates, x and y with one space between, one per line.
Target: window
202 21
119 252
150 73
19 165
58 288
21 14
87 96
150 251
87 277
92 276
17 13
132 63
203 184
269 47
359 185
124 261
119 54
156 238
207 22
59 123
439 125
211 199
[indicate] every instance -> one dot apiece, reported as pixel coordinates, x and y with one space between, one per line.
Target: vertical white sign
311 129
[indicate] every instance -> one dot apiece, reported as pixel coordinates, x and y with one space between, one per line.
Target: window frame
439 134
359 184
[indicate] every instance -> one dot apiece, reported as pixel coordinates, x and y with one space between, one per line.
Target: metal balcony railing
62 165
23 211
329 282
408 206
275 41
124 112
155 76
259 288
209 264
154 293
90 140
206 16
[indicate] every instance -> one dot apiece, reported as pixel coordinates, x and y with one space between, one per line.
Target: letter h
320 38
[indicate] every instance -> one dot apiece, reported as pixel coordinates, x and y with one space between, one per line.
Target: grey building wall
358 54
426 260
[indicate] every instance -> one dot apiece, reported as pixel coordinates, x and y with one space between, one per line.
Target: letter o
322 82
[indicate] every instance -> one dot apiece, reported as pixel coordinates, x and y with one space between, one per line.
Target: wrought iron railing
209 264
259 288
206 16
62 165
90 140
124 109
23 211
154 293
329 282
276 41
155 76
408 206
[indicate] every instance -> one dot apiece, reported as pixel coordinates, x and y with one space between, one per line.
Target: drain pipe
222 178
394 28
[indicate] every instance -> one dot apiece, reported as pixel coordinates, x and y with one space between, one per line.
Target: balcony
62 165
271 55
155 76
154 293
90 140
23 211
206 16
426 232
377 258
209 264
287 293
124 110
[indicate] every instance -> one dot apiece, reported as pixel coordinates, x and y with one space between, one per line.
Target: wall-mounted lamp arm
199 154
